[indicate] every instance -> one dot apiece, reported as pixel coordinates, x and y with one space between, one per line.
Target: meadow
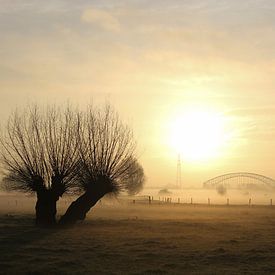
125 238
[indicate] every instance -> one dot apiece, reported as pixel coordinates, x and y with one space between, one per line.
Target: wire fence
162 200
21 203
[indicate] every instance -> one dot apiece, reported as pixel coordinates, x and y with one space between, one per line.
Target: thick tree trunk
46 208
80 207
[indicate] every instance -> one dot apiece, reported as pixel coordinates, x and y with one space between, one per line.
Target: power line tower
179 172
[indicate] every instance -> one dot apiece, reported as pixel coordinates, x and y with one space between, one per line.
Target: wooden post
208 201
149 200
178 200
227 201
134 201
249 202
191 201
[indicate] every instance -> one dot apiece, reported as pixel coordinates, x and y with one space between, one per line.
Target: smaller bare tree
39 154
108 163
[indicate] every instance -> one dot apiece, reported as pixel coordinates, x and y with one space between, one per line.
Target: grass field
143 239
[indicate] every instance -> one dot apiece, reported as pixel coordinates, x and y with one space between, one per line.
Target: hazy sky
151 60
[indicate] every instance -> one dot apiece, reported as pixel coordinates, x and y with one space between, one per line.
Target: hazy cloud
101 18
151 57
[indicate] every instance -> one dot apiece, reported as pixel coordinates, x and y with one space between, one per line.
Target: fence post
149 200
249 202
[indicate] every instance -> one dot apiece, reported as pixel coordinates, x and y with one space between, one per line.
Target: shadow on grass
19 233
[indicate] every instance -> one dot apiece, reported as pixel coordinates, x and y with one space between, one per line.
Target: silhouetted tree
40 154
134 178
107 157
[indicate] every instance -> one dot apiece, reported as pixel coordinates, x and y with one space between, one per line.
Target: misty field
122 238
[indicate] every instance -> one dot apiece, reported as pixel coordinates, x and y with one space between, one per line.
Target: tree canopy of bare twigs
107 150
39 149
133 179
49 151
107 159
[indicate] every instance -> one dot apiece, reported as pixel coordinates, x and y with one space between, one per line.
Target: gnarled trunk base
80 207
45 208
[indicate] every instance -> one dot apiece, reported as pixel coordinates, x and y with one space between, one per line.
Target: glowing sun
197 134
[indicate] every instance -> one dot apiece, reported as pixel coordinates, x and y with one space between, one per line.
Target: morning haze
194 81
214 54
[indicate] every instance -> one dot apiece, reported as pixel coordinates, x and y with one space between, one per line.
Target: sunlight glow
197 134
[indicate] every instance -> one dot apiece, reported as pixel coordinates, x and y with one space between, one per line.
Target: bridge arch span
242 179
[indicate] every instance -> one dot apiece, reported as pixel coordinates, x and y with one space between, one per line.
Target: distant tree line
54 150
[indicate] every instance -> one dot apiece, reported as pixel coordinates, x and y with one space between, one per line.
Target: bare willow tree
108 163
40 154
49 151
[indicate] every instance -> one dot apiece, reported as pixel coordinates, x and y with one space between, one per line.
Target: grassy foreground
144 239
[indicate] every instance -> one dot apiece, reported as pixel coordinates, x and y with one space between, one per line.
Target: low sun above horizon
197 134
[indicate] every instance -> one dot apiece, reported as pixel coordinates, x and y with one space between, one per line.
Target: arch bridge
240 180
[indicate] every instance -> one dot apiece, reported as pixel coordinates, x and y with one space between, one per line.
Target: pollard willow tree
39 154
59 149
107 160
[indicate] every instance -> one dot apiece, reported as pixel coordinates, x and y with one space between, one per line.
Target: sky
152 60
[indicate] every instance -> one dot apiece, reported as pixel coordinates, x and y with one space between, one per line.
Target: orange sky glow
190 77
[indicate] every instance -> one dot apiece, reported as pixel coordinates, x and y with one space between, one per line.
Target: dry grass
143 239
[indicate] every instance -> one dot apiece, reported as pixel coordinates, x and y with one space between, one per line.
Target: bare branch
107 149
41 143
